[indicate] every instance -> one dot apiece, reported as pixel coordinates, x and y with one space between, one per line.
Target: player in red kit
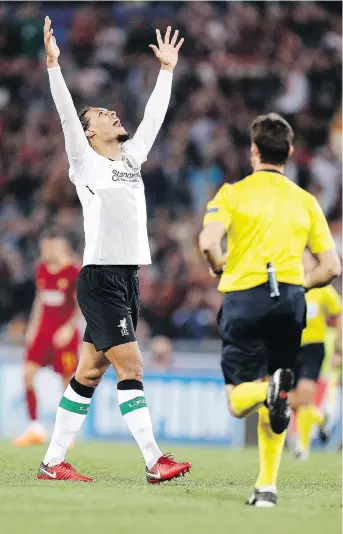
52 336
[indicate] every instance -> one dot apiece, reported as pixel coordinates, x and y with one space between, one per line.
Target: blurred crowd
239 59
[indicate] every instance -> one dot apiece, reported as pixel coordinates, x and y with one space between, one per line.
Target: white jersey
111 192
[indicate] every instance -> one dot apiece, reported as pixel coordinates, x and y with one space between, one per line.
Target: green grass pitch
208 501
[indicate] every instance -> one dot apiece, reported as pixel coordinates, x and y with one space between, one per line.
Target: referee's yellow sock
270 448
246 398
307 416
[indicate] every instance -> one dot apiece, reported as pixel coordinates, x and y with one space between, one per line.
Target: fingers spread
180 43
173 41
167 36
159 38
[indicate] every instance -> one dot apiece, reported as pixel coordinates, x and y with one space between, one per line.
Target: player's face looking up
102 125
271 140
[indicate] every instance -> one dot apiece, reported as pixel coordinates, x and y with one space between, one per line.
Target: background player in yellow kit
322 303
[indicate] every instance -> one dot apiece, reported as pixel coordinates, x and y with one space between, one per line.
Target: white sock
137 417
71 413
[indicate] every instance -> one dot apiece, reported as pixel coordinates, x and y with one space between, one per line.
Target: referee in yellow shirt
269 221
322 304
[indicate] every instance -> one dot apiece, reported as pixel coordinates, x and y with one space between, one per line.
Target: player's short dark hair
83 119
273 137
54 232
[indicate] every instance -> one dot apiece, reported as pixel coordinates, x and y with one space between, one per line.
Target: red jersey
57 294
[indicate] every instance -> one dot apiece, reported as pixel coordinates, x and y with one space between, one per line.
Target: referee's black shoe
277 400
262 498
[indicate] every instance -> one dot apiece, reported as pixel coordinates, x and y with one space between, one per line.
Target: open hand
167 52
51 48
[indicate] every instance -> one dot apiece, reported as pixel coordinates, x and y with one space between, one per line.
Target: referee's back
268 219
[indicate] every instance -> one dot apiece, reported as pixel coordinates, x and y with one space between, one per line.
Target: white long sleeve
155 111
75 139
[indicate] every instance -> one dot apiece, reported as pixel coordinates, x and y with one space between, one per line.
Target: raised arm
75 140
156 108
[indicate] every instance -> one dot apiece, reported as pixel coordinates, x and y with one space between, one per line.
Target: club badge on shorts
123 326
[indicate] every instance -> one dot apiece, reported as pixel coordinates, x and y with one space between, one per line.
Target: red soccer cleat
61 471
166 469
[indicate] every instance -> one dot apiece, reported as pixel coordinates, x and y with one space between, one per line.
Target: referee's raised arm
75 139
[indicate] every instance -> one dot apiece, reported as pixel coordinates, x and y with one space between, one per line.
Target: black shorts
108 297
259 334
309 361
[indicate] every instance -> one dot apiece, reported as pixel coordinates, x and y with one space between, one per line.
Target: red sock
31 403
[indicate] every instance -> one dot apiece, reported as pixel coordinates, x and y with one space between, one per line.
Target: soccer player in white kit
105 166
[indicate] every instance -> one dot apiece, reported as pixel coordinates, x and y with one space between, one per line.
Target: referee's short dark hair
273 137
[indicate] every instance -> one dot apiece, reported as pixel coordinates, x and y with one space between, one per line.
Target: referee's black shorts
309 362
259 334
108 297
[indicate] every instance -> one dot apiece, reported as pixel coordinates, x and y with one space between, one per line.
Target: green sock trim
133 404
75 407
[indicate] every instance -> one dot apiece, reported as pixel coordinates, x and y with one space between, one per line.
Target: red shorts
42 352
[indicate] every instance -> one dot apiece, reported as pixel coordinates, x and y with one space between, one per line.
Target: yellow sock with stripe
246 398
270 448
307 416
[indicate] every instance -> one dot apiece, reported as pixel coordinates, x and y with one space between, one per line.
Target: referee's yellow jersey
321 304
267 218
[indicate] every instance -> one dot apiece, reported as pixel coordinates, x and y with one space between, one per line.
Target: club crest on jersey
40 283
62 283
123 326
